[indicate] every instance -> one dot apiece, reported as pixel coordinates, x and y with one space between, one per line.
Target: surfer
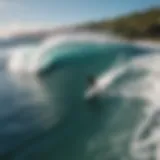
91 93
91 80
93 99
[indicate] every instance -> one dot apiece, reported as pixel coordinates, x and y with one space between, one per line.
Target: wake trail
104 81
145 140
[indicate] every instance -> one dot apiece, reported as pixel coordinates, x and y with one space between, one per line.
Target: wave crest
30 60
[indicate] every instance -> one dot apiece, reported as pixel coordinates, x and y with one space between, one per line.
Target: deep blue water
48 117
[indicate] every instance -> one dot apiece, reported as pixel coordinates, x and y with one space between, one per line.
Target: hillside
144 24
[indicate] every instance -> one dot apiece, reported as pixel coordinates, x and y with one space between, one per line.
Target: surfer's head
91 80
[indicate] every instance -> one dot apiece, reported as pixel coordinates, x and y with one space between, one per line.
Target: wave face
60 51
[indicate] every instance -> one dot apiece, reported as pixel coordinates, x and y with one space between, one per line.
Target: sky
33 14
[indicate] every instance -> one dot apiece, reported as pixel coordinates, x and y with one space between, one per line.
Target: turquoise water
68 53
48 118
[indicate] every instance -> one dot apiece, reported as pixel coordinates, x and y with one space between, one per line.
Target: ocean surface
48 117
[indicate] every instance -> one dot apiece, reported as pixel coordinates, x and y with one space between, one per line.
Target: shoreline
151 43
148 43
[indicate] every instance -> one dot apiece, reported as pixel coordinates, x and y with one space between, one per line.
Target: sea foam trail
147 88
104 81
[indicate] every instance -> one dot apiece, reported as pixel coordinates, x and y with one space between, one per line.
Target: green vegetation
138 25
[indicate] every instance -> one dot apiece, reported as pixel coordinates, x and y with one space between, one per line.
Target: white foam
149 83
148 88
18 59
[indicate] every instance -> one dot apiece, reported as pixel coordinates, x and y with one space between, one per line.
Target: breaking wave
131 76
61 49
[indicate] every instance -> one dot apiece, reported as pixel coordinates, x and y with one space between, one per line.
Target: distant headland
138 25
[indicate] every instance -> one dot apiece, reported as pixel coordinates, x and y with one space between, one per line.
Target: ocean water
47 117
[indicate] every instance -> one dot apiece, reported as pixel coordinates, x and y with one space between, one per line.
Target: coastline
148 43
151 43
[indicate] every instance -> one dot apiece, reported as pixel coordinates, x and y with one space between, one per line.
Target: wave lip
32 60
61 50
